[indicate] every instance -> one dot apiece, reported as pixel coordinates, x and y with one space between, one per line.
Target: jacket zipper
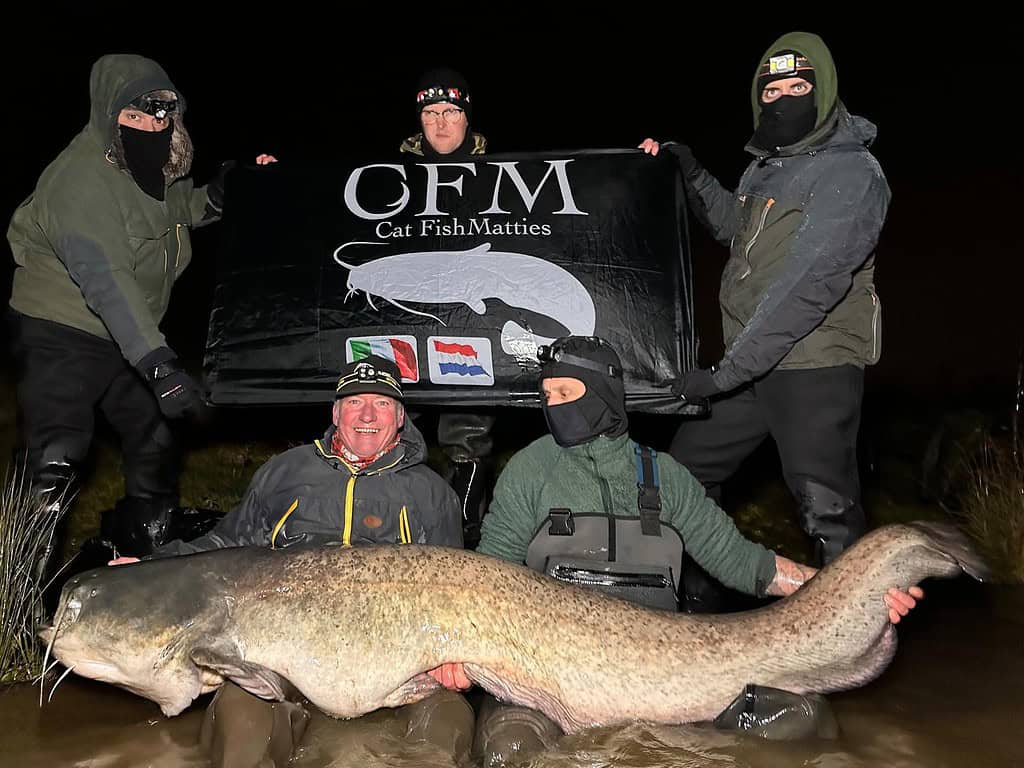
177 256
606 491
750 243
874 324
404 532
606 500
346 537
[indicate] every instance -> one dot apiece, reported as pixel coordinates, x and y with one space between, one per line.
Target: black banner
456 270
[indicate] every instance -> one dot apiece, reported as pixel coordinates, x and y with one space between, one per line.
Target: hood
826 88
116 80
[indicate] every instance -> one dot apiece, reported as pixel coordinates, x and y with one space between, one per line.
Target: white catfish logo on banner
471 276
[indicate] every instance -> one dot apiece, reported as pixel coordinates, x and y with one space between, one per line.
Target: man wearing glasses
444 108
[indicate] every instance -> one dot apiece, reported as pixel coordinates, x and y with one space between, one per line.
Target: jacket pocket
378 522
151 265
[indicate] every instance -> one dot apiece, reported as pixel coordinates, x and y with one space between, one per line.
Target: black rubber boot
699 592
240 730
470 479
832 520
54 483
779 715
444 719
506 734
136 526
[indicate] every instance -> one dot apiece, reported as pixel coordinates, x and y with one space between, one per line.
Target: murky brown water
951 699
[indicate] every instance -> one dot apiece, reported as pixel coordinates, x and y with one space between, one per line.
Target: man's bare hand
900 602
451 675
649 146
123 561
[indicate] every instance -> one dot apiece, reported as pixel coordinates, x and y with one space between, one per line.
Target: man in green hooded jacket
800 315
97 247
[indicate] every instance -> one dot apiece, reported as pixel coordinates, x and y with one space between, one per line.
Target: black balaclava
146 154
602 409
787 119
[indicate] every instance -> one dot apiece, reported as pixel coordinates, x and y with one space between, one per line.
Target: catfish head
135 626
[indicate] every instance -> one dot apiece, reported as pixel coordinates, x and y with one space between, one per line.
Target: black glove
684 156
215 189
695 385
177 393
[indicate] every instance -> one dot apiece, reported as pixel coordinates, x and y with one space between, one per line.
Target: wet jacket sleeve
447 528
709 534
90 238
712 204
842 221
509 525
245 525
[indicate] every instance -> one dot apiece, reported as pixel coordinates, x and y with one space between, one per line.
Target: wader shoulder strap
648 498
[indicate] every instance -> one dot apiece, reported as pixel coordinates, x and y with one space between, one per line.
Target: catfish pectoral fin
412 690
254 678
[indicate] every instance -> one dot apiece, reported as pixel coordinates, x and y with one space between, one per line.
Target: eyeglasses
450 116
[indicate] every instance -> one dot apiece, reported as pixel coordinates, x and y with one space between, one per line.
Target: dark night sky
949 266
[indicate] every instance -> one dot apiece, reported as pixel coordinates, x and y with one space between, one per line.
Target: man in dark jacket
363 483
98 246
444 109
800 315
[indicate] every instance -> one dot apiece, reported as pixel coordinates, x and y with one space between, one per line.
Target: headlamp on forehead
158 108
785 65
553 353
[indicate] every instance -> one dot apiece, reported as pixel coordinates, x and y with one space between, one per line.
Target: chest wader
635 557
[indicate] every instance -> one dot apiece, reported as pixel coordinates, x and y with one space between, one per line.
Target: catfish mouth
171 695
105 672
65 651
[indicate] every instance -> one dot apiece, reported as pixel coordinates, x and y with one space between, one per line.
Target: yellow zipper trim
280 524
403 526
346 537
